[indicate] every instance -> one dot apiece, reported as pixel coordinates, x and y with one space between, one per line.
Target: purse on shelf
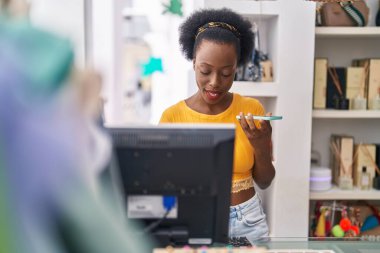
347 13
251 71
259 67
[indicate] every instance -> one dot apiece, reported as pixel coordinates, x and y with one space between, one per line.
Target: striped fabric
353 13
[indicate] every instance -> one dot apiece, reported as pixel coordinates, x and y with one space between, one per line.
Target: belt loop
238 212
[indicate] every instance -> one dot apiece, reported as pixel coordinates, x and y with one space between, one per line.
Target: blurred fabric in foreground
52 149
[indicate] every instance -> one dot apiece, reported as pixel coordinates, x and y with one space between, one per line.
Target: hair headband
218 24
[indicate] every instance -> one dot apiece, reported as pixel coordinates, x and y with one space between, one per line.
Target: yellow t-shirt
244 152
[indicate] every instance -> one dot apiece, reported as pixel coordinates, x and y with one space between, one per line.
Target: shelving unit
284 202
251 89
344 114
337 194
341 45
347 32
334 43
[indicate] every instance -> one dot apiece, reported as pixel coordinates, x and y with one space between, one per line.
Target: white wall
290 196
64 17
171 86
106 52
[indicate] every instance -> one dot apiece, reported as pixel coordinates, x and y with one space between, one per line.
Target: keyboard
236 250
239 242
236 245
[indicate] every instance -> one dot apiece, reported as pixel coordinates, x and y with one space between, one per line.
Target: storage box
364 159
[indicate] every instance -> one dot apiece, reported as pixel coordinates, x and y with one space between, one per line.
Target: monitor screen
176 179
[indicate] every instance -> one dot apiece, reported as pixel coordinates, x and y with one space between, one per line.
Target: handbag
348 13
258 67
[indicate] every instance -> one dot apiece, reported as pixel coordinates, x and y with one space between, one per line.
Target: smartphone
262 117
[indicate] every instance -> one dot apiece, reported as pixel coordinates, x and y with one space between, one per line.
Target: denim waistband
245 206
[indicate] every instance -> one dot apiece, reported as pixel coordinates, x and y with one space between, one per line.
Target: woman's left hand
259 137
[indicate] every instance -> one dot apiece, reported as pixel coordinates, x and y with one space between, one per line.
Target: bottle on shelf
359 103
365 179
345 182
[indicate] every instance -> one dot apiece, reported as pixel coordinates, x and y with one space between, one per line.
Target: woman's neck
197 103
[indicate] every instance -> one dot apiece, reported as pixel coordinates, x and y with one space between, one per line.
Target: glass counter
338 245
285 245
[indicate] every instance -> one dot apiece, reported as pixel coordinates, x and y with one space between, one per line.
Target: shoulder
171 113
174 108
249 104
242 101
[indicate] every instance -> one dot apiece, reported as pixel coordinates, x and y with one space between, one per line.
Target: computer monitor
189 163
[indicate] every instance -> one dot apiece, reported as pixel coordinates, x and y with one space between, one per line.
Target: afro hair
189 41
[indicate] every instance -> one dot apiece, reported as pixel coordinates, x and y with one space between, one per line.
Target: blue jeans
248 220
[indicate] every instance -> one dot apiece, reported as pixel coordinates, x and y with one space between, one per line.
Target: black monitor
191 164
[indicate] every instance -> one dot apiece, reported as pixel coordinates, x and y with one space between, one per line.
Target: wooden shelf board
355 194
347 114
347 32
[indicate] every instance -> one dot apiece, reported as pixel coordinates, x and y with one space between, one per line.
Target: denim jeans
248 220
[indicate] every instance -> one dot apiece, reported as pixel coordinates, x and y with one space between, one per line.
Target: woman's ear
194 64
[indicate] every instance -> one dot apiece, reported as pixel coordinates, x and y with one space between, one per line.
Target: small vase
359 103
341 103
345 183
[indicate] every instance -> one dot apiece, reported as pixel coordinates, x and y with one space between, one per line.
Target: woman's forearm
263 170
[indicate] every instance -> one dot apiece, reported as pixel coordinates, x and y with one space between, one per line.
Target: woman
217 42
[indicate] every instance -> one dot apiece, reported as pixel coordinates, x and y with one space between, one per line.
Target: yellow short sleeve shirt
244 152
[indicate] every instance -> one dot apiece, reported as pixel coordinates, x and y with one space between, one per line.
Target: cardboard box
320 83
355 83
342 164
364 159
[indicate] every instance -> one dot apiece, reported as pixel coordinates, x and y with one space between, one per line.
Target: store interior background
122 38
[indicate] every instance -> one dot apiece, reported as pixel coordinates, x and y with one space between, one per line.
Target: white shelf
347 32
253 89
338 194
266 9
346 114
